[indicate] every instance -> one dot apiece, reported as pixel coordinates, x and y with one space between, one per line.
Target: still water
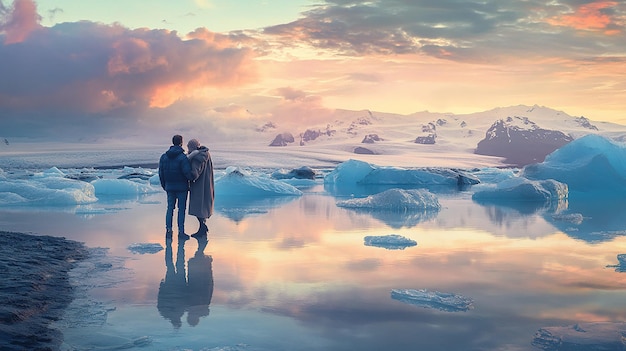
295 275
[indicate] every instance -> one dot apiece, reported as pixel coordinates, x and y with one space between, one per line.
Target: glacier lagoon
295 271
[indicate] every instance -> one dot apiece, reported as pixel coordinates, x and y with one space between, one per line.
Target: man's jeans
174 197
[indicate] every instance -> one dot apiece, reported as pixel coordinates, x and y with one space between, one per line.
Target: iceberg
592 165
390 242
522 189
349 172
239 183
582 336
395 200
45 190
122 187
353 172
446 302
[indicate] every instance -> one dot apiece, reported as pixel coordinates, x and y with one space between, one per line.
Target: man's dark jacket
175 170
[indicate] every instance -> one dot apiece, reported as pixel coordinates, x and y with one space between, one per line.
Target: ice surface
45 190
582 336
145 248
522 189
108 187
587 164
433 299
592 165
395 200
390 242
237 182
358 172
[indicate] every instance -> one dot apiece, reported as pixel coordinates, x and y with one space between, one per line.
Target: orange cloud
590 17
19 22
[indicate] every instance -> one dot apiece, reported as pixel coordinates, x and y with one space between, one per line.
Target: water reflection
602 220
238 208
398 219
181 292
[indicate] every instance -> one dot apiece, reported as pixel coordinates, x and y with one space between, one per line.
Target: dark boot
202 231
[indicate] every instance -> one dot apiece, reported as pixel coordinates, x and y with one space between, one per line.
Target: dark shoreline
35 288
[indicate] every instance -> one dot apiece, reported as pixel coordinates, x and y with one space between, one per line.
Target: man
201 194
175 174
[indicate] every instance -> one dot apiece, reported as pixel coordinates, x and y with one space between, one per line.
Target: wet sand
34 288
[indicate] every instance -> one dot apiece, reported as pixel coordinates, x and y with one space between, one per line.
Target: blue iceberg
390 242
446 302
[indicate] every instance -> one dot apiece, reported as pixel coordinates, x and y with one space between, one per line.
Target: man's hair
177 140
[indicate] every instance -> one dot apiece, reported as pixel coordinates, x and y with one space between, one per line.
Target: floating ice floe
50 190
390 242
433 299
582 336
122 187
358 172
237 182
591 165
522 189
395 200
145 248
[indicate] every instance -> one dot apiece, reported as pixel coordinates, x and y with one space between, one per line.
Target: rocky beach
35 288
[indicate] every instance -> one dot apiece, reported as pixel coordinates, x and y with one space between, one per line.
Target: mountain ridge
518 134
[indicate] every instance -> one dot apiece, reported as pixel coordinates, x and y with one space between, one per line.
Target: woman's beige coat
201 192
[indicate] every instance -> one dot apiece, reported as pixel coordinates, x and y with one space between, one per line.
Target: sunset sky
102 67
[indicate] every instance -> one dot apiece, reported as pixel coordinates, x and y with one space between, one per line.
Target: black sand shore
34 288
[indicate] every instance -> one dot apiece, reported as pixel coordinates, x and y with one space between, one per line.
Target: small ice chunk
581 336
446 302
575 218
390 242
395 199
145 248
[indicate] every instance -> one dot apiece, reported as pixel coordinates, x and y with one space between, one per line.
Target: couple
187 174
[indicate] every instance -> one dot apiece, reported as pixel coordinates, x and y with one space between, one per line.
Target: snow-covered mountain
505 136
516 135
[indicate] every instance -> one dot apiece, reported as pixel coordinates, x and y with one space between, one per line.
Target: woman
201 193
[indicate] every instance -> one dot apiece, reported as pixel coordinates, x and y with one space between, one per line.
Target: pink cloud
20 21
93 67
591 16
299 108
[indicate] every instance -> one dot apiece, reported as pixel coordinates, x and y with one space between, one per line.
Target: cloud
18 22
299 109
460 30
291 94
92 74
594 16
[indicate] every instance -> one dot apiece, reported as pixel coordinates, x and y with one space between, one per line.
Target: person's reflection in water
180 292
200 283
173 290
